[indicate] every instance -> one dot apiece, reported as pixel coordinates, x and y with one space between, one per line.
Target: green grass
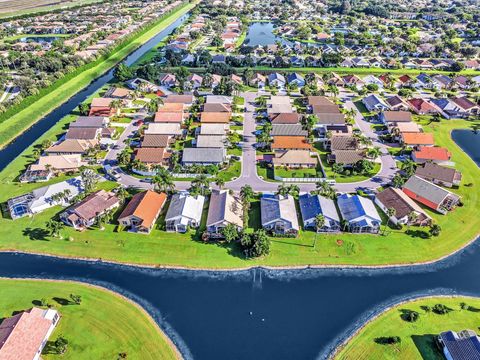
42 7
297 173
417 338
101 327
27 117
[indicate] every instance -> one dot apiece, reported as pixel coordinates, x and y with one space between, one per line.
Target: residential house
422 107
359 214
433 154
211 141
396 103
71 146
288 130
195 81
186 100
215 117
156 141
224 209
463 345
44 198
296 80
467 107
168 117
290 143
214 107
393 118
430 195
86 213
59 163
90 122
276 79
438 174
342 143
396 199
91 134
278 214
185 211
373 80
374 103
25 334
212 129
258 80
151 156
142 211
285 118
102 107
168 80
414 139
172 129
203 156
295 159
313 205
347 158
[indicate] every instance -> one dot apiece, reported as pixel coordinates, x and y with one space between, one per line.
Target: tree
200 185
435 230
246 194
154 104
319 222
61 345
310 122
116 105
54 227
163 181
124 157
412 218
374 152
255 244
390 213
230 233
220 183
325 189
84 108
122 72
408 167
337 169
77 299
89 180
398 181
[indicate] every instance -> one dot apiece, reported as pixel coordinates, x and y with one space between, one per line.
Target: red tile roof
433 153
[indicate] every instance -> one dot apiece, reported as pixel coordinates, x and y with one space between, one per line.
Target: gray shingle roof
426 189
288 130
203 155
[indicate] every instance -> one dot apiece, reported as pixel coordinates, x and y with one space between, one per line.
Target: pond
261 33
40 39
469 141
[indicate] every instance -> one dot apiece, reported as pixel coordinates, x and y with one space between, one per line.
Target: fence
303 180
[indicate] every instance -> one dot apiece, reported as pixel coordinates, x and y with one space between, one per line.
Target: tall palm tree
116 105
54 227
319 221
163 181
220 183
408 166
374 152
390 213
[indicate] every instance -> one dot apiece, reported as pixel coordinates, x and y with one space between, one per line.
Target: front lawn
101 327
417 338
297 173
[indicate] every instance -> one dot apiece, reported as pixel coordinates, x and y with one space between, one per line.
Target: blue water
261 33
469 141
40 39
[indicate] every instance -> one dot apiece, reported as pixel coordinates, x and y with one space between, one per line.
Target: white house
184 211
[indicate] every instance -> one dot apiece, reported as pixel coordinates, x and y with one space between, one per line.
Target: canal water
11 151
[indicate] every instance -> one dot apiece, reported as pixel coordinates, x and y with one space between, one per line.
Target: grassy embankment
417 338
102 326
16 8
16 124
161 248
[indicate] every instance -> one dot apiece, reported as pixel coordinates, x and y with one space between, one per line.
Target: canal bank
62 99
243 314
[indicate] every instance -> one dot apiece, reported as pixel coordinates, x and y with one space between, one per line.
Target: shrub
441 309
388 340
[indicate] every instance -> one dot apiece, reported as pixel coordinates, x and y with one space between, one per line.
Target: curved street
249 174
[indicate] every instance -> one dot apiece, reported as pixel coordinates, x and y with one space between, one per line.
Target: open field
417 338
101 327
10 8
25 118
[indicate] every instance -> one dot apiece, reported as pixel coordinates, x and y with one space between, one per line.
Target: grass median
418 337
22 120
101 327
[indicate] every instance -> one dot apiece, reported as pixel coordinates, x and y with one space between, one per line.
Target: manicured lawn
417 338
22 120
16 8
101 327
232 171
297 173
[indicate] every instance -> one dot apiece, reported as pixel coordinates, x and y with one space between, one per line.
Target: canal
11 151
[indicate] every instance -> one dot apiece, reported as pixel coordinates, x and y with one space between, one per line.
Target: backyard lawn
417 338
101 327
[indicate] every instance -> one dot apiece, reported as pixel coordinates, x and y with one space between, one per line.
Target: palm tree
122 193
319 222
435 230
154 104
201 185
116 105
261 101
374 152
412 218
390 213
220 183
123 157
337 169
282 190
408 166
89 180
163 181
54 227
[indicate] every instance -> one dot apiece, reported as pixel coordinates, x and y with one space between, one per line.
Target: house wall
421 199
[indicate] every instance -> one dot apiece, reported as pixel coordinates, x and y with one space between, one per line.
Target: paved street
249 174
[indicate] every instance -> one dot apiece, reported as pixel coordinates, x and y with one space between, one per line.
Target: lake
261 33
40 39
469 141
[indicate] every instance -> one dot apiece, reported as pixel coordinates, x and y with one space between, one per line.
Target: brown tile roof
209 107
326 109
72 146
397 116
94 204
319 100
347 157
285 118
155 141
431 171
22 334
215 117
336 118
410 138
101 102
169 117
145 206
398 200
290 142
343 143
82 133
464 103
184 99
150 155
